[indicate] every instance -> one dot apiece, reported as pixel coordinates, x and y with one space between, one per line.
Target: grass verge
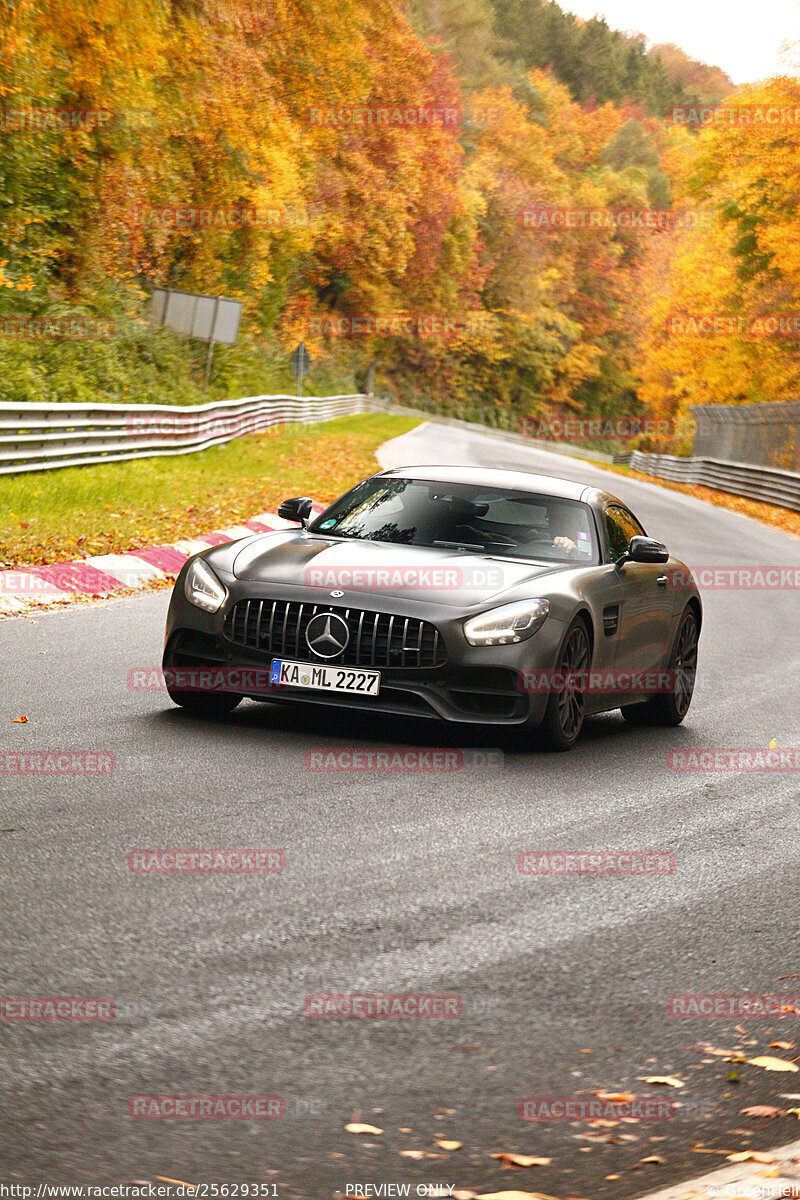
56 516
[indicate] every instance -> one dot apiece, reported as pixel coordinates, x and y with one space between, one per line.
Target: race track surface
397 883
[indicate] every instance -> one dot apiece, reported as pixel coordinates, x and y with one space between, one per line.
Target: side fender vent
611 620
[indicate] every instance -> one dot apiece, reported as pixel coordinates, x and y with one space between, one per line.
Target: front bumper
475 685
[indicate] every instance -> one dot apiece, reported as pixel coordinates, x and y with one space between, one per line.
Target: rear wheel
563 718
205 704
671 707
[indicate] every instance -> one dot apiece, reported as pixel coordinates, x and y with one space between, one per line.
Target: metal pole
211 344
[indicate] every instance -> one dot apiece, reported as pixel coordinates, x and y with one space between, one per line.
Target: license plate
327 679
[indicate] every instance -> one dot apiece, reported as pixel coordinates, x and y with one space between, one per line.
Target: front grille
376 639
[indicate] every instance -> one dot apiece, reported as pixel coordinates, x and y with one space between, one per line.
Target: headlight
203 588
511 623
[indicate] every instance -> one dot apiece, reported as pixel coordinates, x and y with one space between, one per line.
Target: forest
490 209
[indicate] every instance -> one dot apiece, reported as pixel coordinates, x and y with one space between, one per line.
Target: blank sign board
209 318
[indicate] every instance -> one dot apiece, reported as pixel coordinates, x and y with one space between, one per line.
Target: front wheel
563 718
205 704
671 707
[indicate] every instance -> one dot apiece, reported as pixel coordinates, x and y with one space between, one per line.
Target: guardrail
769 484
41 437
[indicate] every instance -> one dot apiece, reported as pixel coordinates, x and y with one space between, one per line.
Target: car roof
526 481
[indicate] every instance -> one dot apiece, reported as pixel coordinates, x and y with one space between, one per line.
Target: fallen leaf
707 1048
665 1080
514 1196
20 720
781 1046
357 1127
653 1158
751 1156
772 1064
763 1110
523 1160
617 1097
795 1112
416 1154
449 1145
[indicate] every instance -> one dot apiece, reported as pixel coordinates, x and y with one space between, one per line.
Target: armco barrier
769 484
40 437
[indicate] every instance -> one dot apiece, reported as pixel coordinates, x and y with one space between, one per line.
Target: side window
621 526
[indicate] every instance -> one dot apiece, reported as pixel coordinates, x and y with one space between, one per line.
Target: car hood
437 576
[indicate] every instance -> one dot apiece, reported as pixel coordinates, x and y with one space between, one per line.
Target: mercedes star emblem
327 635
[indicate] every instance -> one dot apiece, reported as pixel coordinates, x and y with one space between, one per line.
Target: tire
670 708
205 704
563 717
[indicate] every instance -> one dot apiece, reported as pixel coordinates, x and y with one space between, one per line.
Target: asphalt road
395 883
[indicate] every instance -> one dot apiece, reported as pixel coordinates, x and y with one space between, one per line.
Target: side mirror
645 550
296 509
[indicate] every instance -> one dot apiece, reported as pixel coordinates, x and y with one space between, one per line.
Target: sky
745 40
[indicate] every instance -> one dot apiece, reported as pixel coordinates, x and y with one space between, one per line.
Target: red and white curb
778 1176
25 588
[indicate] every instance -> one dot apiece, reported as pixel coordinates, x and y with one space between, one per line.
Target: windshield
463 516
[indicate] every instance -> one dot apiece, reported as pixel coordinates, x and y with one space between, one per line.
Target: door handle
661 580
